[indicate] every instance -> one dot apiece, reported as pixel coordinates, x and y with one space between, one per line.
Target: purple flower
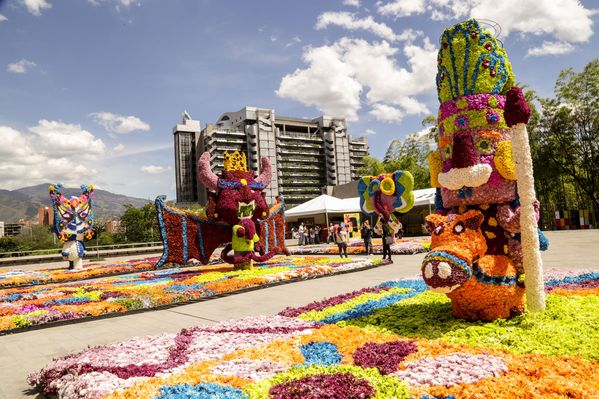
385 357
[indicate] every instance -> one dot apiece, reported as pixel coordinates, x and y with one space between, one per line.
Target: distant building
306 154
1 229
45 215
186 137
113 226
13 229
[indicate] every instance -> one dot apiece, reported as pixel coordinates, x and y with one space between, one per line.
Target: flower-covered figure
473 167
236 215
385 194
73 222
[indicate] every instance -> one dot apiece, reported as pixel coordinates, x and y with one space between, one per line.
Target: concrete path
25 352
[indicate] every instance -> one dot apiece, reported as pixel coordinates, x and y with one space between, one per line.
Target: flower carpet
23 307
18 278
406 246
394 340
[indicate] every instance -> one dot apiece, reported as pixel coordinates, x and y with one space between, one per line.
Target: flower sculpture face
456 242
237 194
473 164
386 193
481 286
73 222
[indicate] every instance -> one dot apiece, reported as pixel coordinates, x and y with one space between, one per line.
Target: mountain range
23 203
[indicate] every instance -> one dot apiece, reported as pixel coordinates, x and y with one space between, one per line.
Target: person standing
387 240
340 239
301 237
367 237
317 234
311 235
331 231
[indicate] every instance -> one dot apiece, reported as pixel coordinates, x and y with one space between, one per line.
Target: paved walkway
25 352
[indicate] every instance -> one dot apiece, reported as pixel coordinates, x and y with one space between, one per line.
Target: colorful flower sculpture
73 222
387 193
473 168
236 214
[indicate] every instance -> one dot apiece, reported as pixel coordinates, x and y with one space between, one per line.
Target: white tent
326 204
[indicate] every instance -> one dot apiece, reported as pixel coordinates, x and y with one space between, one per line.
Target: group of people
307 235
338 234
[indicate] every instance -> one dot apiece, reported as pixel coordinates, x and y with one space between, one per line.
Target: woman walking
340 237
387 240
367 237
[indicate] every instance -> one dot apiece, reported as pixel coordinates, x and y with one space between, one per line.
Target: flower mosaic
394 340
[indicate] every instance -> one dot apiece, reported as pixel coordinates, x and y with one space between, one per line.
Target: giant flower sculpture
474 169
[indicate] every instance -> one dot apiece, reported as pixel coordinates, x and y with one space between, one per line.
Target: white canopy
327 204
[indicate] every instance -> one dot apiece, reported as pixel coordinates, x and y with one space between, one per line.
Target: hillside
24 202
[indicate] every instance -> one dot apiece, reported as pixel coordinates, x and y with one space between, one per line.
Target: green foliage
139 224
36 236
567 327
565 141
410 155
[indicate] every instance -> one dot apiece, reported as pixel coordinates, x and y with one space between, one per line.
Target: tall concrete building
186 137
306 154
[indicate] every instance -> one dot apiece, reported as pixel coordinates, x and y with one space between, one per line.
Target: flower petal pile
24 307
335 348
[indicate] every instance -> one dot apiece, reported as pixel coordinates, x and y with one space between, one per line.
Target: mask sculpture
73 222
387 193
236 215
476 253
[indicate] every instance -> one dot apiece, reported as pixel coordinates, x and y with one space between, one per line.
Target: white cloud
551 48
565 20
154 169
401 8
328 83
369 132
35 7
293 41
119 123
118 148
351 3
26 160
339 73
349 21
386 113
124 3
57 139
21 66
3 18
273 38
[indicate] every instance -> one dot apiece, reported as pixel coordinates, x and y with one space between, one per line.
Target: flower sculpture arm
517 113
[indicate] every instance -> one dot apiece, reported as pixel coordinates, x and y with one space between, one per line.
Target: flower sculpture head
386 193
237 195
473 164
456 242
73 216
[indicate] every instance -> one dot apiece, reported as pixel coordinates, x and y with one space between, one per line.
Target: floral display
406 246
236 215
18 278
387 193
474 168
394 340
73 222
24 307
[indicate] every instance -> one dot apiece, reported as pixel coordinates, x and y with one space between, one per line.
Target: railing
88 249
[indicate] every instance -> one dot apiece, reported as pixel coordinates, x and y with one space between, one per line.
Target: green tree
139 224
568 134
372 167
35 237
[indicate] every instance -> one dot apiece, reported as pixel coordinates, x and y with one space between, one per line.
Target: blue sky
90 90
